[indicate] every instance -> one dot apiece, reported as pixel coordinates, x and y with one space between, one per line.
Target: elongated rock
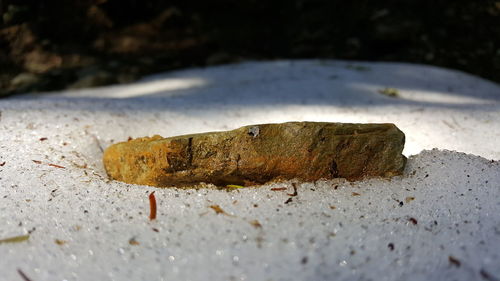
256 154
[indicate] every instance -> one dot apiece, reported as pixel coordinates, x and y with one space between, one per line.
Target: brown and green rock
256 154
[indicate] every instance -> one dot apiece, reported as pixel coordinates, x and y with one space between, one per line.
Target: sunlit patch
161 87
423 96
164 87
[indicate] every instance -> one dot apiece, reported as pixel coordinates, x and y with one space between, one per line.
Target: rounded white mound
437 222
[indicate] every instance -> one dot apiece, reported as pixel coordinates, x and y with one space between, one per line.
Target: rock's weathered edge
256 154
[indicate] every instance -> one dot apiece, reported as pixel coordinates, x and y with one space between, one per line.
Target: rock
256 154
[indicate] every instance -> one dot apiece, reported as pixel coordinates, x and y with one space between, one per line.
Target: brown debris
409 199
15 239
48 164
23 275
57 166
152 206
60 242
133 242
294 191
219 210
454 261
257 154
487 276
413 220
255 223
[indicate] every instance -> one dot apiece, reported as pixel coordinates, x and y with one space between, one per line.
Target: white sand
323 234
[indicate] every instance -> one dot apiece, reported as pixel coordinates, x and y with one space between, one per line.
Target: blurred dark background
51 45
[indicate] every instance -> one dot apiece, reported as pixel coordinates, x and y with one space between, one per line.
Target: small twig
15 239
152 206
48 164
294 190
98 143
24 276
219 210
57 166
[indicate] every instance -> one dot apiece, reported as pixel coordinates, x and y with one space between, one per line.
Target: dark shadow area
53 45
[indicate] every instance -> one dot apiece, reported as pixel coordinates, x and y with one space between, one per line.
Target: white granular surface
439 221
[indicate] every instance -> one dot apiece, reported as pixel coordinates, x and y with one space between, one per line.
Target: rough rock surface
257 154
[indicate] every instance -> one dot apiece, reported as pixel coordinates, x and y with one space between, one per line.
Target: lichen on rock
256 154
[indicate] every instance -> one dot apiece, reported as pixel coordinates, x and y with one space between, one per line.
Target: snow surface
439 221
